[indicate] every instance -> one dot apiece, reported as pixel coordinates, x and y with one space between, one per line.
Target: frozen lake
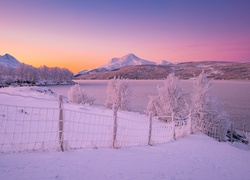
235 95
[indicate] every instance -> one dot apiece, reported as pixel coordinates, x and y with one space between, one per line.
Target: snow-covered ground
195 156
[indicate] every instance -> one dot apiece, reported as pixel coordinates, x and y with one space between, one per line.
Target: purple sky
86 34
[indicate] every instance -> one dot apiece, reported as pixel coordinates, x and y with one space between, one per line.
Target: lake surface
234 95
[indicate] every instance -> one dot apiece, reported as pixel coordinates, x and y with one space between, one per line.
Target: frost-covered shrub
118 94
169 100
77 95
208 114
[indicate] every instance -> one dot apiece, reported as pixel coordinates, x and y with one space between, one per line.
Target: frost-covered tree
77 95
200 96
26 73
29 74
169 99
118 94
44 73
7 75
208 109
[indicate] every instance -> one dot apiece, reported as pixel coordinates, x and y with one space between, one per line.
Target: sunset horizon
84 35
94 66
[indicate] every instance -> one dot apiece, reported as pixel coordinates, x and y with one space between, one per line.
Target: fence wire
28 128
32 129
83 130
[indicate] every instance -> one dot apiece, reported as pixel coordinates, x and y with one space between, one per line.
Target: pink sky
87 34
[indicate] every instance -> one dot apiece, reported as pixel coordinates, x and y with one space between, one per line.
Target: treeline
28 74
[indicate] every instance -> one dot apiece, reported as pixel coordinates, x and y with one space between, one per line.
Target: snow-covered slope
129 59
9 61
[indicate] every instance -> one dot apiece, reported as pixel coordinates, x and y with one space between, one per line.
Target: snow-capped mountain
128 60
117 63
9 61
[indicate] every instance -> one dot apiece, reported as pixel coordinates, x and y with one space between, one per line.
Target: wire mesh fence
31 129
211 129
205 122
28 128
82 130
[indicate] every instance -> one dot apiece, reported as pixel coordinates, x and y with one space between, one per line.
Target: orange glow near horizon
77 62
84 35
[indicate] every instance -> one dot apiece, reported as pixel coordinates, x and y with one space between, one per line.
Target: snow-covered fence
83 130
86 130
30 128
211 128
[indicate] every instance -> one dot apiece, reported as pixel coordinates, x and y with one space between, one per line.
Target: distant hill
185 70
117 63
215 70
129 59
9 61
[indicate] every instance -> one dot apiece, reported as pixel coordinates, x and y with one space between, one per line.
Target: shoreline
28 84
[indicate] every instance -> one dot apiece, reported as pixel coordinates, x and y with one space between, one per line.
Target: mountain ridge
186 70
9 61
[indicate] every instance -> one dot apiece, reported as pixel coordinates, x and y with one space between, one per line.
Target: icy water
235 95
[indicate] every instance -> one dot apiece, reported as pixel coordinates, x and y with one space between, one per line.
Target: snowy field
194 156
235 95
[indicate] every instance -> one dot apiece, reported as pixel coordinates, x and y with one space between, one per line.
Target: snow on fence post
174 135
231 133
61 122
244 128
190 122
115 126
150 129
219 132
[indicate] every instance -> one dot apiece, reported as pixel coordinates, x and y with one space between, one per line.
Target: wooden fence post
232 133
219 132
190 121
61 123
115 126
244 128
150 129
174 135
